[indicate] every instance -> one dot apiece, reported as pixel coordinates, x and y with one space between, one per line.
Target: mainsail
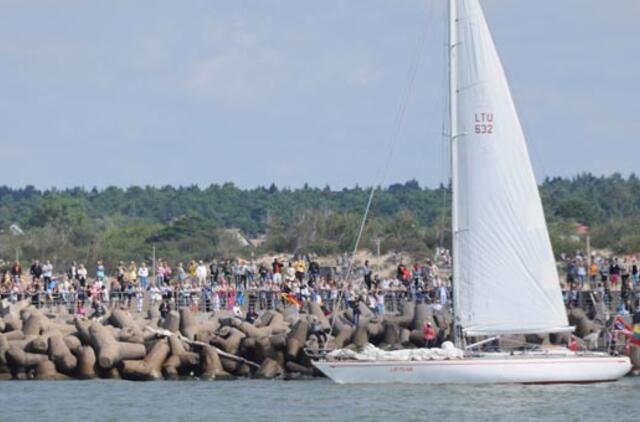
505 278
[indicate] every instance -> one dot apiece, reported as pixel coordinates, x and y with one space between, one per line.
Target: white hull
484 370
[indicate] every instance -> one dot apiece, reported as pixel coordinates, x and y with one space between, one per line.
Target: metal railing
206 300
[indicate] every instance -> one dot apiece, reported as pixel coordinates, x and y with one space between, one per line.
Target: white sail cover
505 270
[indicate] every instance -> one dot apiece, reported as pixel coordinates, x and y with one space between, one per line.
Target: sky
254 92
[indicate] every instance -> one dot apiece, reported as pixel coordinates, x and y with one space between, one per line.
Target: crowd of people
221 284
261 284
602 275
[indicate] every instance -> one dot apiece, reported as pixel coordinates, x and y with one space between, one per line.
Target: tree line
185 222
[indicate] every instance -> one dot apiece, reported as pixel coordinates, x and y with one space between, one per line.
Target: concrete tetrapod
150 368
65 362
86 363
109 351
181 362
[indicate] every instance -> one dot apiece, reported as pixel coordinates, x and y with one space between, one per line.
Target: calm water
313 400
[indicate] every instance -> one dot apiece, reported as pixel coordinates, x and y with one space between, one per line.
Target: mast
453 136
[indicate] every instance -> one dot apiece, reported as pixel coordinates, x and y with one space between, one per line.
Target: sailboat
505 279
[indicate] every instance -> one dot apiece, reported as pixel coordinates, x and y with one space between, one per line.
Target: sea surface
313 400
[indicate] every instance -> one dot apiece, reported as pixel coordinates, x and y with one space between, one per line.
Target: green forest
187 222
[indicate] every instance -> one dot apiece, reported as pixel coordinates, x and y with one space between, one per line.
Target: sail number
484 123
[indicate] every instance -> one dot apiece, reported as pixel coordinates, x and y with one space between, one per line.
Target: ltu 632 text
484 123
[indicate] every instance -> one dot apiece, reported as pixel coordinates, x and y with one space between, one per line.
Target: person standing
191 268
593 274
582 274
366 271
354 304
182 274
16 272
380 301
443 294
133 273
614 272
214 271
82 276
36 271
201 273
314 272
72 272
47 273
100 271
277 271
143 275
160 274
300 269
167 271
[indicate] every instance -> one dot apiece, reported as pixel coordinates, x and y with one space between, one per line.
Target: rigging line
413 71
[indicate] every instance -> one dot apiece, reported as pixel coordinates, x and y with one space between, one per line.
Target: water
313 400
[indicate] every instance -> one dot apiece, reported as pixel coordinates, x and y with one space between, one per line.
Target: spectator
36 271
165 308
366 271
614 272
143 276
314 272
277 271
300 269
380 302
582 274
318 331
16 272
47 272
237 311
160 274
82 276
429 335
181 274
133 273
201 273
72 271
100 271
252 315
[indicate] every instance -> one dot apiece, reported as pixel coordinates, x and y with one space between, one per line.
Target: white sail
505 275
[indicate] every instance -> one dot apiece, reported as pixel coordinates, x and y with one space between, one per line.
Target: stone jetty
35 344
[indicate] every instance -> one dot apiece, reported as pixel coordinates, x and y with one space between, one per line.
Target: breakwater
35 344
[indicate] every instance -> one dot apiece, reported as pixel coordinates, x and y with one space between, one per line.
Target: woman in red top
429 335
573 344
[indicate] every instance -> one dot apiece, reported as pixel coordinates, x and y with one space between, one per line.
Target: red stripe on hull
567 382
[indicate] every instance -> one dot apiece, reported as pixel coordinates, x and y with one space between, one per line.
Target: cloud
241 68
366 75
237 78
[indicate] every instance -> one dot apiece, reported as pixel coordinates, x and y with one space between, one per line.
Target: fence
206 301
201 300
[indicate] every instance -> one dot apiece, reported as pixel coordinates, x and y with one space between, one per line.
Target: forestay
505 270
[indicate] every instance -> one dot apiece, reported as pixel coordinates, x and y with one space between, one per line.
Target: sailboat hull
517 370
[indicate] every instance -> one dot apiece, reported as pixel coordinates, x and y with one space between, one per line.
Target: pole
453 134
153 258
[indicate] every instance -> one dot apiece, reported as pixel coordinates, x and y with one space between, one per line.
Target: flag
631 331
